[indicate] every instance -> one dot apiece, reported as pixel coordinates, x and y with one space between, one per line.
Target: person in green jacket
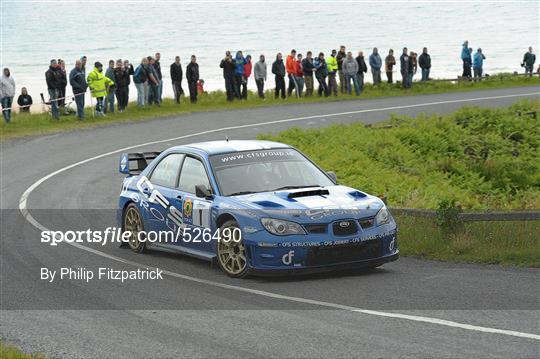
99 84
332 66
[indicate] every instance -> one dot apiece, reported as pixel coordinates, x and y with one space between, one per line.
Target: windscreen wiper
241 193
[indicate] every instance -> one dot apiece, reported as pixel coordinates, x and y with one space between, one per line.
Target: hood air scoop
315 192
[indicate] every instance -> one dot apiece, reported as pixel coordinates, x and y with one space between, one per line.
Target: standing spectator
99 85
478 64
121 76
24 101
192 77
340 57
109 100
239 61
79 86
157 67
299 76
62 89
425 64
331 66
141 77
375 62
389 63
53 76
350 71
7 92
248 66
278 69
413 66
153 88
176 78
362 69
290 67
129 68
260 75
228 66
321 71
528 61
307 68
466 58
405 63
83 68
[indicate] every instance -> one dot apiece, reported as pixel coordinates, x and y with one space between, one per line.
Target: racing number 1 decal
197 212
201 213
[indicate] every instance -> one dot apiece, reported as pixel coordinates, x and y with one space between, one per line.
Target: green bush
481 158
448 215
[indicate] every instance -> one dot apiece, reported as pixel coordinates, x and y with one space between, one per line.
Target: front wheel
133 223
232 253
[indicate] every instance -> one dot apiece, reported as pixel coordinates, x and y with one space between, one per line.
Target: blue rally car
254 207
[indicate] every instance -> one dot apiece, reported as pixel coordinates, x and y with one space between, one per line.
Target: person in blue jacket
375 62
478 64
466 54
239 61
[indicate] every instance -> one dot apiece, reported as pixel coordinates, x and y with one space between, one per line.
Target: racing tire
133 222
231 255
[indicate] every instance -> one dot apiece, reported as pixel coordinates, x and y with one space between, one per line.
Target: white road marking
25 212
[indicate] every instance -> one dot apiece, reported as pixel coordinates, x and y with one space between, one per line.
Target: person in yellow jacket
332 66
99 85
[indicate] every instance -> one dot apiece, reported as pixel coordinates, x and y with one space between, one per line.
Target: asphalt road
409 308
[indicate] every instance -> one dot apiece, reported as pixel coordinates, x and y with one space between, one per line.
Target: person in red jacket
200 87
247 73
290 68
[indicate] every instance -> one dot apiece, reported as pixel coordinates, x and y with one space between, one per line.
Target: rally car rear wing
134 163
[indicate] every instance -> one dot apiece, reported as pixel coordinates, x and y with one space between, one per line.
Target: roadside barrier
43 102
473 216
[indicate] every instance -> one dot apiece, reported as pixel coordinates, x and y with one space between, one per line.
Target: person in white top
7 92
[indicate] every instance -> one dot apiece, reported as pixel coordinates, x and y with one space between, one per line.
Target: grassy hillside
481 158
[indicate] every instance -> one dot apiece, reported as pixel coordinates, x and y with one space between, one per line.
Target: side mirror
332 175
202 192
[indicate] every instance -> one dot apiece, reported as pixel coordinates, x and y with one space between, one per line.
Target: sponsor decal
337 242
250 229
156 197
287 258
124 162
188 207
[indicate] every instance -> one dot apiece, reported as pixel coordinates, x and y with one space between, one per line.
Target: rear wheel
232 253
133 223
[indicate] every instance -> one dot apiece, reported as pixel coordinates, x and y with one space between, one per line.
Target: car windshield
265 170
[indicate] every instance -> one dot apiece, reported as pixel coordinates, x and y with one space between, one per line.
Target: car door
162 195
195 210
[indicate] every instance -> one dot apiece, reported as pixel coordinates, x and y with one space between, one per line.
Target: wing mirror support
202 192
332 175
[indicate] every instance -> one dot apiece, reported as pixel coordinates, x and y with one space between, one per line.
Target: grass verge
11 352
475 158
41 123
506 242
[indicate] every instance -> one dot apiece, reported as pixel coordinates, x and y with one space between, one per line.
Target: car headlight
282 228
382 217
